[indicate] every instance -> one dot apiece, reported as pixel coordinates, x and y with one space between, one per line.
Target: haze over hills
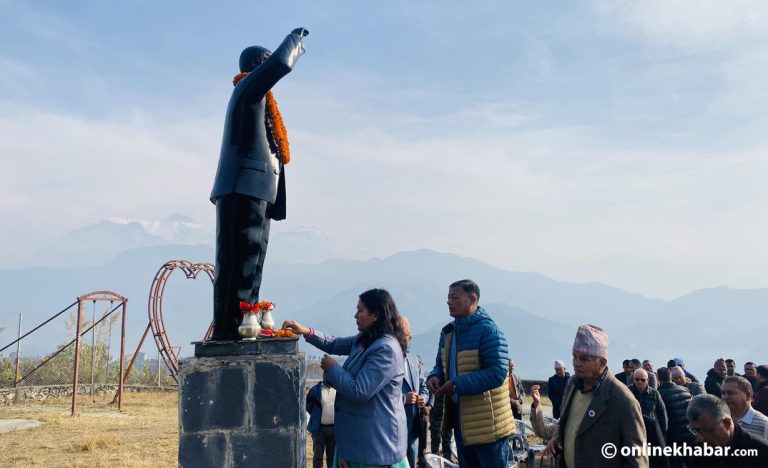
97 243
539 315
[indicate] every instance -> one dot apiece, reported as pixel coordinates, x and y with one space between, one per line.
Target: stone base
245 408
245 347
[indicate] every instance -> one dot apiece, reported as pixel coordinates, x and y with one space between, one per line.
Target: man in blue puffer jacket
471 369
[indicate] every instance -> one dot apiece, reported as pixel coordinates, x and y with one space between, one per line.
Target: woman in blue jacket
369 414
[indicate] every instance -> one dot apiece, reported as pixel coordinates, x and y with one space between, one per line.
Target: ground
143 434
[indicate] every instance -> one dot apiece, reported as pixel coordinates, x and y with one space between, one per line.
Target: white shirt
755 423
407 376
328 397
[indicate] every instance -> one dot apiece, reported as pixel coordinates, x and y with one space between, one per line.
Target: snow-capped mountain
94 244
97 243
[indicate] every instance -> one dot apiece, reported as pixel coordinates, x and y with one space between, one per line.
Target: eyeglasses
640 380
695 431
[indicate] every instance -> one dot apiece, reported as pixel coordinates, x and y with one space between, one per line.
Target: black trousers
242 234
325 441
439 434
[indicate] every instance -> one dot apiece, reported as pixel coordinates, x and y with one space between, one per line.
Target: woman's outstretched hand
296 327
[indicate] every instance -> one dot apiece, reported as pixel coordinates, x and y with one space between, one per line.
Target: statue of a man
249 189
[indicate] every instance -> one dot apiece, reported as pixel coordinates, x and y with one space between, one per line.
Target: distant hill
538 315
94 244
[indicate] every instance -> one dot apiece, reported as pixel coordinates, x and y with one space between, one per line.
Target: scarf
274 123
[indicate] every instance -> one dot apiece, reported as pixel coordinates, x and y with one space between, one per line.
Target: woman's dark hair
380 303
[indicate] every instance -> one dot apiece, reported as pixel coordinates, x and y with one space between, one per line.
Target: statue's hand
301 32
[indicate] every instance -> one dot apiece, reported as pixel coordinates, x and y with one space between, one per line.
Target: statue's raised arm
263 74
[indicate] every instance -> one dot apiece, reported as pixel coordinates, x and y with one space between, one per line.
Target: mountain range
539 315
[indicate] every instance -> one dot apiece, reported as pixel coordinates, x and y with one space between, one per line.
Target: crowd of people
377 407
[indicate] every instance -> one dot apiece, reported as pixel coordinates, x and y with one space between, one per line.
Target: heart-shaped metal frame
155 308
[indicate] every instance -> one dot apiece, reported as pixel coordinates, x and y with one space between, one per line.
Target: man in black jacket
626 373
676 399
556 387
711 421
713 384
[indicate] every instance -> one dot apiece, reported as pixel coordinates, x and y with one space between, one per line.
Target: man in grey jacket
600 415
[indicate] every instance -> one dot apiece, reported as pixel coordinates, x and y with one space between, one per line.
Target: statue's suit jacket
247 164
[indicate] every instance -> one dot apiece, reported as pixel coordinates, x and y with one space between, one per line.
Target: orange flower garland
275 125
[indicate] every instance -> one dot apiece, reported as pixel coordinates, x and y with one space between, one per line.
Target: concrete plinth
242 404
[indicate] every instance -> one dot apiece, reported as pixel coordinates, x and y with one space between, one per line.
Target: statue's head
252 57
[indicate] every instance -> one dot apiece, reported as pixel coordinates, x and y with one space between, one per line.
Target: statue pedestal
242 403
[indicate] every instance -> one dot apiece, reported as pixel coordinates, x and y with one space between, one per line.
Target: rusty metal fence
83 350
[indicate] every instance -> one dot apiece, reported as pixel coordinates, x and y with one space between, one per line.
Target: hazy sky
617 141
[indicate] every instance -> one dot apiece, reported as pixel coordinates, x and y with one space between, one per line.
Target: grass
144 434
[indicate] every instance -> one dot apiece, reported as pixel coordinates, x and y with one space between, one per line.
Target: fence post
76 373
17 397
93 352
18 352
122 358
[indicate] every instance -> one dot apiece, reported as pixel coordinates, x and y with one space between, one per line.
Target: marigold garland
274 124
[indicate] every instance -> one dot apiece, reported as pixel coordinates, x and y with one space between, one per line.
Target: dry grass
144 434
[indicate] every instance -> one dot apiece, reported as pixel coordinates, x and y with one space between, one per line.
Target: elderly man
714 382
556 387
415 396
597 410
472 370
737 394
516 392
710 420
648 367
650 401
679 378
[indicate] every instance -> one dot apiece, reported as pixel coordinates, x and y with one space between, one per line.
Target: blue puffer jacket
476 331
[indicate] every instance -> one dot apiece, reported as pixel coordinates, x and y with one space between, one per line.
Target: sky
612 141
